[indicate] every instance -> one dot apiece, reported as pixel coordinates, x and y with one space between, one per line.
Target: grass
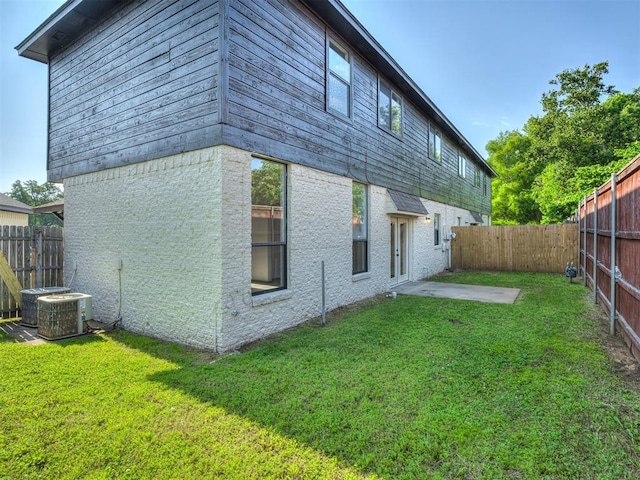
411 388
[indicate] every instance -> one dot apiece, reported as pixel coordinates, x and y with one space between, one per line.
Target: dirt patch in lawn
626 366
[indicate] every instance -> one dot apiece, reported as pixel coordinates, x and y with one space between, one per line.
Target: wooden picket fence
36 257
521 248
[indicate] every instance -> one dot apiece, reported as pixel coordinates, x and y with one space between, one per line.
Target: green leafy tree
578 89
34 194
563 154
511 197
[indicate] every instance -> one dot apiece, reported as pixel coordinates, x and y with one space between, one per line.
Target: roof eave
65 24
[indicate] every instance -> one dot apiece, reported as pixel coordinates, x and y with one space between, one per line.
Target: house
13 212
215 152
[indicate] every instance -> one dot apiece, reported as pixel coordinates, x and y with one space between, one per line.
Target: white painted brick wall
182 228
162 219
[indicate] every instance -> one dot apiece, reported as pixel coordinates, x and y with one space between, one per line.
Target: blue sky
485 63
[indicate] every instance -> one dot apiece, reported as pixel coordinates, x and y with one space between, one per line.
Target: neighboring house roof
76 16
8 204
56 207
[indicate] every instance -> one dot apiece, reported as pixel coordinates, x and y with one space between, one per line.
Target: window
462 165
435 144
477 177
484 185
359 223
339 80
268 226
436 229
389 109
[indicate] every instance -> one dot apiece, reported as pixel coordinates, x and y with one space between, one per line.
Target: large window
389 109
435 144
339 80
268 226
359 223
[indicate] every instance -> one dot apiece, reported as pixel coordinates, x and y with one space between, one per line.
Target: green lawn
411 388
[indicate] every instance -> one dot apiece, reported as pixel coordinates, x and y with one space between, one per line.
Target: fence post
37 235
595 245
584 244
612 296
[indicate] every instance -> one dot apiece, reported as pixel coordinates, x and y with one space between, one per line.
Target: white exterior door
399 254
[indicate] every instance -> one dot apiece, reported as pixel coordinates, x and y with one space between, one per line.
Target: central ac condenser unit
62 316
29 303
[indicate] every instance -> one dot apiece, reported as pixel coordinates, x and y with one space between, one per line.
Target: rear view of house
215 153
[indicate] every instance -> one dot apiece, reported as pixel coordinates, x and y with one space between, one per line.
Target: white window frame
331 75
435 143
462 165
393 95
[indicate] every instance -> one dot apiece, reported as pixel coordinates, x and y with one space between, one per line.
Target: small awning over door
400 203
476 217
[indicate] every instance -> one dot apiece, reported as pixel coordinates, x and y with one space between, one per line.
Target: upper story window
477 177
462 165
389 109
435 144
338 79
484 185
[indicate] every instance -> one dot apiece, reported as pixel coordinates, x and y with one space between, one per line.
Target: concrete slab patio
459 291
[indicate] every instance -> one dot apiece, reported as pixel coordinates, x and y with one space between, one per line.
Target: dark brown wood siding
140 85
276 106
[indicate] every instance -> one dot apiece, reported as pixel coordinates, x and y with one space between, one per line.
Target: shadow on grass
417 387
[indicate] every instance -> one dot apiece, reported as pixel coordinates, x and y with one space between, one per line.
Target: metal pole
595 245
324 310
612 296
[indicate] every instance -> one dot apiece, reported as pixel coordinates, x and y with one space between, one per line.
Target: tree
33 194
578 89
563 154
512 204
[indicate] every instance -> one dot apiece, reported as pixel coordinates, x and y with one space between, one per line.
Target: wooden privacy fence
609 222
35 255
521 248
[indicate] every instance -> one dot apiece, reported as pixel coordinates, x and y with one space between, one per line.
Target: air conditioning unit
65 315
29 304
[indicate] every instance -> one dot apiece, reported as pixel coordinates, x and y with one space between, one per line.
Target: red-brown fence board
611 216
